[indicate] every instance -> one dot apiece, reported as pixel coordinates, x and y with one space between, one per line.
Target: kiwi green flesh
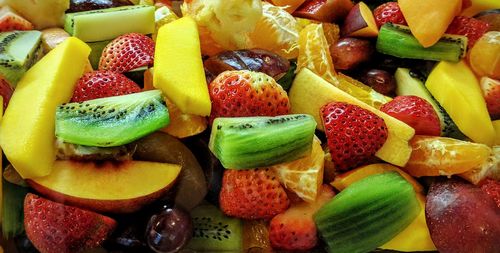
111 121
251 142
367 214
19 50
215 232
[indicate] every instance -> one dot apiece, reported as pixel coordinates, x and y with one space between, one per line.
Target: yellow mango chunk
457 90
178 70
310 92
27 129
1 165
429 19
496 125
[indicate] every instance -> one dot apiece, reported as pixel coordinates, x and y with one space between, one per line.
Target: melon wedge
27 129
310 92
457 90
108 187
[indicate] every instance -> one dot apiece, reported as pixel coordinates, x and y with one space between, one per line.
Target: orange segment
289 5
183 125
438 156
303 176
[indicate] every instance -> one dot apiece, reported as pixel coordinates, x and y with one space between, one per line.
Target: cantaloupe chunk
457 90
310 92
178 70
429 19
27 129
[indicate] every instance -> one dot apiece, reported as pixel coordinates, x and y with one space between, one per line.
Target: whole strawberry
128 52
252 194
54 227
470 27
388 12
415 112
100 84
491 93
492 188
354 134
247 93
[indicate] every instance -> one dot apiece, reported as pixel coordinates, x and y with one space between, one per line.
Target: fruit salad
253 126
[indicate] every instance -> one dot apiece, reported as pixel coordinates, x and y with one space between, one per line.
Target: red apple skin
354 21
324 10
462 218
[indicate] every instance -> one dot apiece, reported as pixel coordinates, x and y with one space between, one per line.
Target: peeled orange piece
276 31
303 176
441 156
183 125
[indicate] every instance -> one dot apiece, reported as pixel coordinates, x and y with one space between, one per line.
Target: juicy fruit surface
252 194
354 134
101 84
388 12
128 52
5 92
247 93
492 188
484 57
491 93
183 125
470 27
10 21
54 227
28 140
42 13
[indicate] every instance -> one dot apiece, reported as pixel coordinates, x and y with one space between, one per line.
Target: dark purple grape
349 53
88 5
380 80
169 231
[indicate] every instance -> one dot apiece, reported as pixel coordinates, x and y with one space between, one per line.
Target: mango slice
178 70
496 125
456 88
429 19
310 92
27 129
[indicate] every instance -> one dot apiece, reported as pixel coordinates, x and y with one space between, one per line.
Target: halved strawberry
354 134
416 112
100 84
246 93
491 93
128 52
470 27
5 91
252 194
295 228
492 188
388 12
54 227
10 21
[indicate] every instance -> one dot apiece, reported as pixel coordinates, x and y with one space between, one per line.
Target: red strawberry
470 27
295 228
491 93
54 227
100 84
5 91
246 93
492 188
10 21
388 12
354 134
252 194
416 112
128 52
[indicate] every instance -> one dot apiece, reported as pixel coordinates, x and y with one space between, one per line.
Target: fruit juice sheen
328 126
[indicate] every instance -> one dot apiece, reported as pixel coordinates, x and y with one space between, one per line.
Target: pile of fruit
250 126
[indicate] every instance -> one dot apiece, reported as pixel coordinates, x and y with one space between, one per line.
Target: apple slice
360 22
107 187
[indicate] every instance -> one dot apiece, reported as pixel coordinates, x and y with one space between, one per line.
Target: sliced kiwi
111 121
215 232
397 40
107 24
12 209
251 142
19 50
367 214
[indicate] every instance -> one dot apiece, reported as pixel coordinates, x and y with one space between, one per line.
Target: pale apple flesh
360 22
107 187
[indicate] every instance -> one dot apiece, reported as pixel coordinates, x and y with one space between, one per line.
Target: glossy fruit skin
354 134
6 92
470 27
492 188
128 52
380 80
491 93
349 53
100 84
169 231
389 12
88 5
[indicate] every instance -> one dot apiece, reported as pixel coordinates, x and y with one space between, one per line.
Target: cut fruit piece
304 176
364 216
107 187
397 40
163 15
41 13
88 25
484 57
183 125
252 142
456 88
256 236
111 121
489 169
441 156
360 22
310 92
19 51
179 69
52 37
10 21
324 10
28 141
288 5
215 232
496 125
428 29
480 5
491 92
